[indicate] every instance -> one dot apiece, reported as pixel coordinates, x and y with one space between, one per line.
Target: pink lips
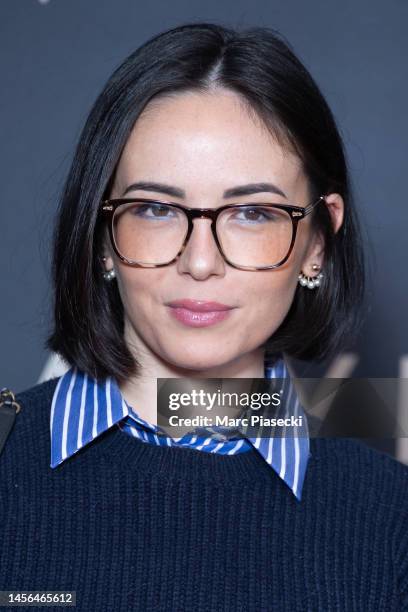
199 313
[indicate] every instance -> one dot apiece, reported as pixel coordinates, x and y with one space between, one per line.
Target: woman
146 287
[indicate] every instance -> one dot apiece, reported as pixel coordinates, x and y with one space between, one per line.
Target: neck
140 392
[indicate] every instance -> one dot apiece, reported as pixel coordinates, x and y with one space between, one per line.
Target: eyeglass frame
296 213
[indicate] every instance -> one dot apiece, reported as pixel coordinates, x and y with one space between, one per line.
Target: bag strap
9 408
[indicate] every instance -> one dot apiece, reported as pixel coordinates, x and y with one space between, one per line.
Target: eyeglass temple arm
310 207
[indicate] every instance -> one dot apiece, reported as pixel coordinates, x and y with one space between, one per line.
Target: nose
201 257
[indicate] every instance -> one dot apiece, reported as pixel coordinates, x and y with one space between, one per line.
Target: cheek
269 301
135 289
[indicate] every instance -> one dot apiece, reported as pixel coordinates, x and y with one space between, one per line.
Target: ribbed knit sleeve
402 548
403 574
395 504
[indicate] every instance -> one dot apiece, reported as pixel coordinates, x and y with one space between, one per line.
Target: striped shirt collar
83 408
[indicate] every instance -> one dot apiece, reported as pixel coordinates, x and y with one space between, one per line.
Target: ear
335 204
315 252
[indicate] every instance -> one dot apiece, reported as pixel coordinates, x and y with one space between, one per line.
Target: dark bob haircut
259 65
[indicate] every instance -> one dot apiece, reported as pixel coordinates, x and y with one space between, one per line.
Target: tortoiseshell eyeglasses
153 233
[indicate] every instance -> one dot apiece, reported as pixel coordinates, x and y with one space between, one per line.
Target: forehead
202 138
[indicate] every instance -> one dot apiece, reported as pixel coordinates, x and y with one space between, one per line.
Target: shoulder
354 456
362 471
36 399
368 490
32 424
39 390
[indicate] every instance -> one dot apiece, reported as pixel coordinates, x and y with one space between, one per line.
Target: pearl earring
110 274
309 281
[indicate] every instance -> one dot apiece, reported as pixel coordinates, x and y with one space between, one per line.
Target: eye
153 210
256 214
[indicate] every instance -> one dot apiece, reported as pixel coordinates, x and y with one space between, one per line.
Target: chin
198 362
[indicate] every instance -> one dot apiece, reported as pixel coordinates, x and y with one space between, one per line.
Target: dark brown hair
259 65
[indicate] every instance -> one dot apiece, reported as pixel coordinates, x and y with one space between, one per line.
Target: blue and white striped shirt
83 408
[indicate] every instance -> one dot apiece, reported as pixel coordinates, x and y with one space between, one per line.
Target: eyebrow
233 192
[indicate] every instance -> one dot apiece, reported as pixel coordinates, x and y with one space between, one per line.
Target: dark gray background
55 57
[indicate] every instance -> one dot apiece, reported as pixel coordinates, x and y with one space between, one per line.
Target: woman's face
205 144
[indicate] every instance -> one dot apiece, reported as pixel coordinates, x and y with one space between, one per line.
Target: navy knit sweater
132 526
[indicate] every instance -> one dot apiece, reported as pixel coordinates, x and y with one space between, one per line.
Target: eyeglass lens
153 233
